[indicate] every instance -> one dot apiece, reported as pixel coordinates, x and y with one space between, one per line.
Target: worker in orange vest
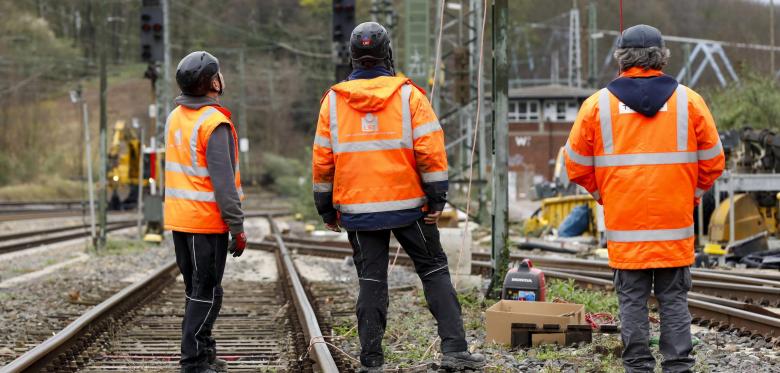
202 202
380 166
646 147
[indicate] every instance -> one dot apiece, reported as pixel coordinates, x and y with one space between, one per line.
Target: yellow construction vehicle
123 160
754 185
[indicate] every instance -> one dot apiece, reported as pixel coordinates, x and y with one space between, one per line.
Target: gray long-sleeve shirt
221 163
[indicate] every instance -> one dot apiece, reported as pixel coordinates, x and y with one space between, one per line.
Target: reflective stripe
425 129
322 187
682 118
334 126
596 195
187 170
643 159
700 192
240 192
361 208
194 136
367 146
406 116
430 177
650 235
190 194
584 160
322 141
605 117
714 151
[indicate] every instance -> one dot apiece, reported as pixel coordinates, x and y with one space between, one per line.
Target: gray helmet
195 72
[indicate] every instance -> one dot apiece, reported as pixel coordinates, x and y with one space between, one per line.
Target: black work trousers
201 260
371 256
670 286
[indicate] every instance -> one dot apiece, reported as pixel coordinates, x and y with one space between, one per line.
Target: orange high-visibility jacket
190 204
378 149
646 171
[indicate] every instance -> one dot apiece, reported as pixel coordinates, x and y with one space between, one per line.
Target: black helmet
195 72
369 44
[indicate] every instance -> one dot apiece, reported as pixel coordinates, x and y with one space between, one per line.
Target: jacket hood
369 95
195 102
644 94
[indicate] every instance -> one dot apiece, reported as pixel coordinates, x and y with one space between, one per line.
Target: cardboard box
548 338
501 316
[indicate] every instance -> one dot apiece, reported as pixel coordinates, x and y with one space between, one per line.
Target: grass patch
122 246
594 301
49 189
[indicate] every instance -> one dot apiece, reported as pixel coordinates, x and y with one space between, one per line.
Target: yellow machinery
749 219
123 159
754 158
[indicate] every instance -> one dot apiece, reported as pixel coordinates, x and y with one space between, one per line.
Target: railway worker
646 148
202 201
379 166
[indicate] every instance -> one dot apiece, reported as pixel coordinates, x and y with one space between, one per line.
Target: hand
237 244
696 201
432 218
333 227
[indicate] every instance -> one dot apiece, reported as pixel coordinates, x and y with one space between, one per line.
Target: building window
560 110
524 111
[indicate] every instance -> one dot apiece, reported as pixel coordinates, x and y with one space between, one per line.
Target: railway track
720 300
25 240
263 325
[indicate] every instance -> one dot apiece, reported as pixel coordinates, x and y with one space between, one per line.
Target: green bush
753 102
291 177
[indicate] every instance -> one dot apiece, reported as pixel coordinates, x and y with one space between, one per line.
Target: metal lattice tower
575 53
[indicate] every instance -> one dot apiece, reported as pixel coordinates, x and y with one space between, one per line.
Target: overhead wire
437 59
474 141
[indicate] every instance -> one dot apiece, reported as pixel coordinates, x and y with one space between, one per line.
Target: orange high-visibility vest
377 140
646 171
190 205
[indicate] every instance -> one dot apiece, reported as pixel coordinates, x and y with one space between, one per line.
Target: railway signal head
152 47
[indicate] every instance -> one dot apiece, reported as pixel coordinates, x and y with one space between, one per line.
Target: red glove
696 201
237 244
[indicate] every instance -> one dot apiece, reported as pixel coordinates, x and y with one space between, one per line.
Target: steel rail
758 279
17 246
713 310
754 293
39 357
306 316
701 307
593 265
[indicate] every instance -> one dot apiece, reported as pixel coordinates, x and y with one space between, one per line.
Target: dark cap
641 36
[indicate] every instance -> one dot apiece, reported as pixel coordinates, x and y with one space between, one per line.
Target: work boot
457 361
214 362
365 369
218 364
198 369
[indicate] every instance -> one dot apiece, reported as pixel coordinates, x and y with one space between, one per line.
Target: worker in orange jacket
646 147
380 166
202 202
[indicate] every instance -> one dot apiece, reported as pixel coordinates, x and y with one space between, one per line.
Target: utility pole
103 201
772 36
500 252
77 97
475 30
593 45
243 124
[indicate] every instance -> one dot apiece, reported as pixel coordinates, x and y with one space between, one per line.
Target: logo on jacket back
624 109
370 123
